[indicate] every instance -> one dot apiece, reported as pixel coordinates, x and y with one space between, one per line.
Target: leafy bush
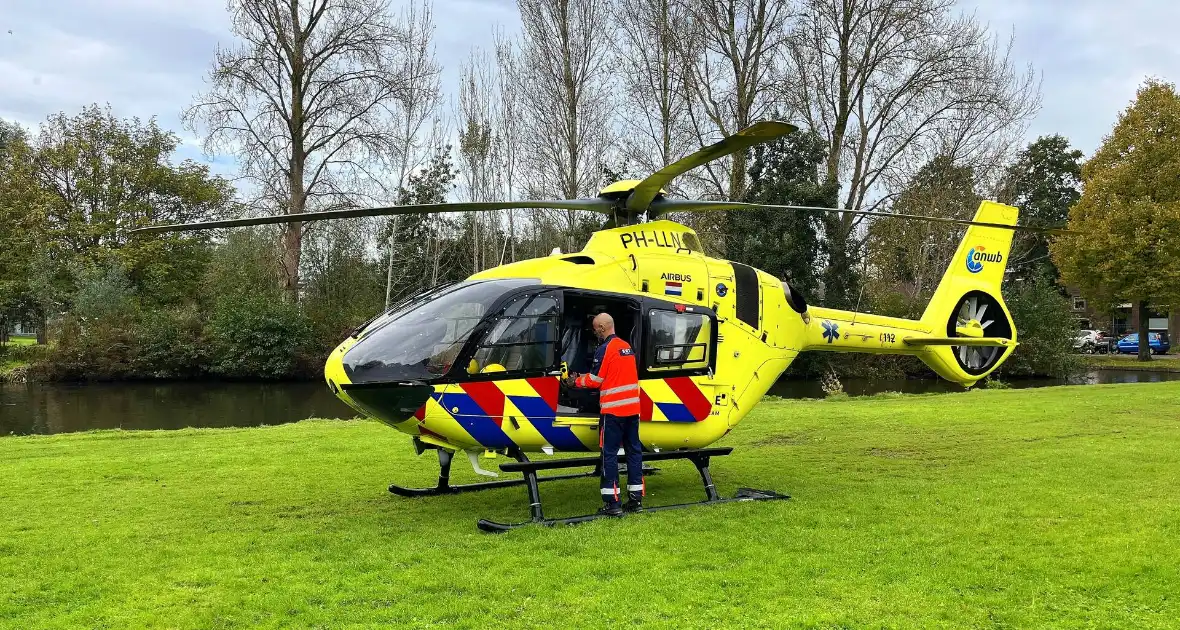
26 353
1045 330
258 338
103 294
169 343
95 349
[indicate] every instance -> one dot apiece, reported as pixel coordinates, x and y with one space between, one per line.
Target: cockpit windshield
421 341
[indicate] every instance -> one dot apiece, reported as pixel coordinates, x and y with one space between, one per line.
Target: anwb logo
976 256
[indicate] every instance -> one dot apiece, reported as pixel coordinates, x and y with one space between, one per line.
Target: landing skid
699 457
446 488
743 494
444 479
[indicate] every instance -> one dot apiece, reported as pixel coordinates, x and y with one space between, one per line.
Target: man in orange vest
615 376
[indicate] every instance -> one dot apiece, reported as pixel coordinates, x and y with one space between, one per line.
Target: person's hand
570 379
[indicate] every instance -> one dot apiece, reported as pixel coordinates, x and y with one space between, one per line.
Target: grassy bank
1158 363
22 341
17 356
1055 506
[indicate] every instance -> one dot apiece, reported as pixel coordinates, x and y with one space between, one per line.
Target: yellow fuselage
758 333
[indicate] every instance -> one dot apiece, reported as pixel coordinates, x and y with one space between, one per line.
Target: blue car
1130 343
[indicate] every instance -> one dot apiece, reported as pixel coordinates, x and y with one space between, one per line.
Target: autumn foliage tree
1126 245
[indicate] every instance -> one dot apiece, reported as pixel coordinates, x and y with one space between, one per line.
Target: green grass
1158 363
22 341
19 352
1055 507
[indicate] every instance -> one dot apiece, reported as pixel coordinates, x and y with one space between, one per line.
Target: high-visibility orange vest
616 378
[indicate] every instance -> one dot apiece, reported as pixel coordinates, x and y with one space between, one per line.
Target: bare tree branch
307 102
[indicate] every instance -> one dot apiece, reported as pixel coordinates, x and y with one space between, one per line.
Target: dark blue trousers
624 432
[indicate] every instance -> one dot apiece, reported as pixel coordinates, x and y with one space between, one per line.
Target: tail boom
966 331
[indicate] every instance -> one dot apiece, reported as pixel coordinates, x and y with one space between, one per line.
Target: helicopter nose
391 403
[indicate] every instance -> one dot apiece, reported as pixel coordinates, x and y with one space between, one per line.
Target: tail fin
967 302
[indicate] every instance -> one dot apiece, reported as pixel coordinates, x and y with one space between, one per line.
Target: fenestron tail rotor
978 314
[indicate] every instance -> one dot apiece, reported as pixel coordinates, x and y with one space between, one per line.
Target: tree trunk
1173 326
293 233
839 275
293 242
511 234
389 269
1143 328
1145 343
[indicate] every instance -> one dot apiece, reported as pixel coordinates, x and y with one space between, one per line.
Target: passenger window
678 341
523 338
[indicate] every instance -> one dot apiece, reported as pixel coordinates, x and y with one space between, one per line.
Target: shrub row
238 339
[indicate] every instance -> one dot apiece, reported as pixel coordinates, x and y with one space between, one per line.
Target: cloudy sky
148 57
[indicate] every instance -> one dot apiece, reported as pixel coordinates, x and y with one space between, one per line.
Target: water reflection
59 408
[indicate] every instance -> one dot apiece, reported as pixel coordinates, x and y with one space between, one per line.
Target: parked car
1088 341
1156 341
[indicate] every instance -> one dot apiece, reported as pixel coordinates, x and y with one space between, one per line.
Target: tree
414 106
1045 182
909 258
423 259
306 102
655 96
1047 330
344 286
508 136
728 55
566 100
22 230
889 83
477 145
785 244
1127 245
104 176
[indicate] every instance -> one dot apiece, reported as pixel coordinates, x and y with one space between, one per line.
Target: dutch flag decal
673 288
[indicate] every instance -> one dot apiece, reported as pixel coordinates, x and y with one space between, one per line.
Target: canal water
42 408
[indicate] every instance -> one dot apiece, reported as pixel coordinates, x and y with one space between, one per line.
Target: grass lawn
1158 363
22 341
1054 507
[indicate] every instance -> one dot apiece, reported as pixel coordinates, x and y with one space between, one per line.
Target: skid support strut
444 486
699 457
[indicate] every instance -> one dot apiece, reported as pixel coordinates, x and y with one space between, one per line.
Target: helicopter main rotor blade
757 133
681 205
597 205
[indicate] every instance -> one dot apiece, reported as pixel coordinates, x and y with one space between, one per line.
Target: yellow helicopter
477 366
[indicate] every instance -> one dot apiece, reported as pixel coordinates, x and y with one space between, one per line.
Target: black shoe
634 505
610 510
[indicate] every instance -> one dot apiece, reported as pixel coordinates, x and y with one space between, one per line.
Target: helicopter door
522 341
679 359
578 344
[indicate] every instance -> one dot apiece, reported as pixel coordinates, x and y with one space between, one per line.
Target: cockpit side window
422 341
522 339
678 341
